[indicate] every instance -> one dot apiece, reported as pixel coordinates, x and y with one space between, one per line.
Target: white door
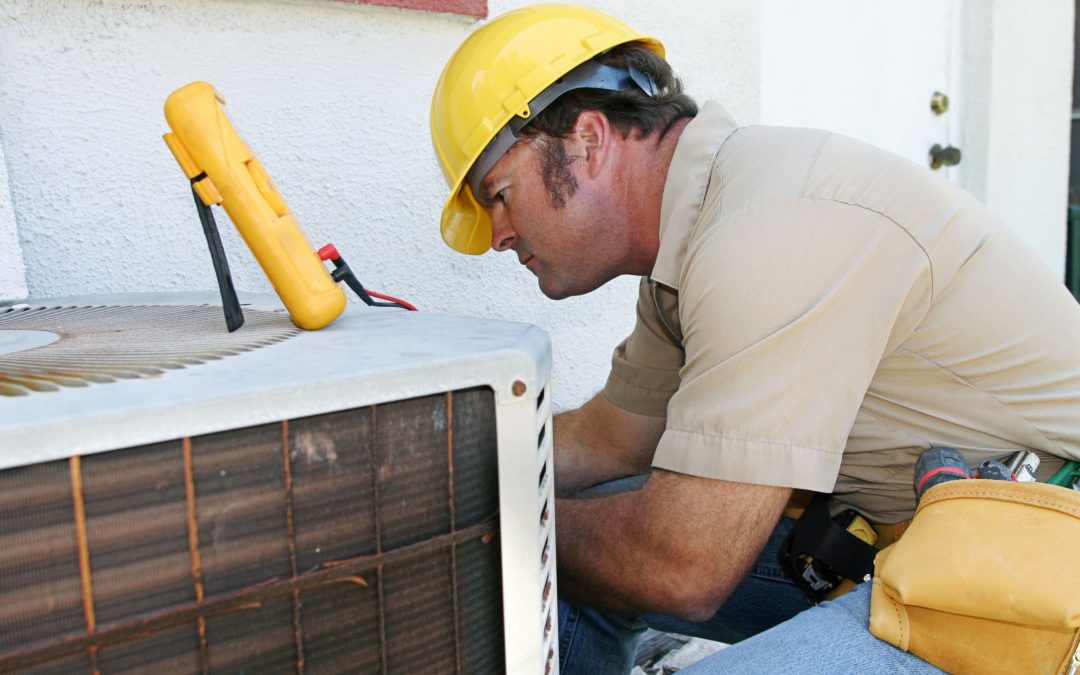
864 68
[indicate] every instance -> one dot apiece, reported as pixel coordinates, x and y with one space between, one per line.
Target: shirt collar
684 192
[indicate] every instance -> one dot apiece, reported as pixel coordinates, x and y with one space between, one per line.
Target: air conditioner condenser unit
376 496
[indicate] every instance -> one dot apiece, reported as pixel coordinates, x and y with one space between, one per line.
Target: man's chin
552 290
557 295
557 291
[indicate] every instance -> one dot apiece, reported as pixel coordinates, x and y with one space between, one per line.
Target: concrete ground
667 653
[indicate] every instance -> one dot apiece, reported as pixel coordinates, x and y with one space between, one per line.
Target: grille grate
104 343
546 497
356 541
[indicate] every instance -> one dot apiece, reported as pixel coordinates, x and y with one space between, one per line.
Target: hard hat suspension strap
589 75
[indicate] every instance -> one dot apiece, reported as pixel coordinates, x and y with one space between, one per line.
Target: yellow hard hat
498 79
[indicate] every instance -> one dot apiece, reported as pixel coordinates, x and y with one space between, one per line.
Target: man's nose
502 234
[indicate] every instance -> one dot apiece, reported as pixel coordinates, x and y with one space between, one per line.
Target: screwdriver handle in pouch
223 170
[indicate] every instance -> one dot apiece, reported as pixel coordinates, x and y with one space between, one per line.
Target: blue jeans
769 618
831 639
592 641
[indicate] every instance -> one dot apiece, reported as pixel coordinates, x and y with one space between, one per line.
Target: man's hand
600 442
679 546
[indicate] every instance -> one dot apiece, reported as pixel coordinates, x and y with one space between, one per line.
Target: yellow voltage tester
223 170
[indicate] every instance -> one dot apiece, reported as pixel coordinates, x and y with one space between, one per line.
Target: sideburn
558 178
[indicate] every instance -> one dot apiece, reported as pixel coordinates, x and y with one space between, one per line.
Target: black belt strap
819 536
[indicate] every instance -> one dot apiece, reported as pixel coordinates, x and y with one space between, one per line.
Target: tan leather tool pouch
985 580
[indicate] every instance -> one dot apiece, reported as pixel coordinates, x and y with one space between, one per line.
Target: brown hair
629 111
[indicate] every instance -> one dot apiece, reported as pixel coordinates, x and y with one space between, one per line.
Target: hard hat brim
465 225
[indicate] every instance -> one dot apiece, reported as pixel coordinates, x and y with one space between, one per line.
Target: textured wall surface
334 99
12 270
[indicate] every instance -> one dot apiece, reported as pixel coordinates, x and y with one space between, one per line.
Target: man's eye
490 201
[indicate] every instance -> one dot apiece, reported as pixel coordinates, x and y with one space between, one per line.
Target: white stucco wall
334 99
12 270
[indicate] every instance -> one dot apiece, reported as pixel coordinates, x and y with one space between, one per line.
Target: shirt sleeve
786 310
645 366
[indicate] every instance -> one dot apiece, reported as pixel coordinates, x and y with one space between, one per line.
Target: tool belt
985 580
826 555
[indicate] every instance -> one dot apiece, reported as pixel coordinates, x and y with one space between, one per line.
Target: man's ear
592 138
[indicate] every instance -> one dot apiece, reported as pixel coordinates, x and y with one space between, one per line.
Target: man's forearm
679 546
589 537
580 460
598 442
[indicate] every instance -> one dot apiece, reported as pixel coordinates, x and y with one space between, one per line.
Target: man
814 313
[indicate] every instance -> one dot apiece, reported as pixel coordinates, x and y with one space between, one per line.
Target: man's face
561 221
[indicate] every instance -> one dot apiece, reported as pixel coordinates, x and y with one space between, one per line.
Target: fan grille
359 541
104 343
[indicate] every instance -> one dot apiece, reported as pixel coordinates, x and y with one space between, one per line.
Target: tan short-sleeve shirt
821 311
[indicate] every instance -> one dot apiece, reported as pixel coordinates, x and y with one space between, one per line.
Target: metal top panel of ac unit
368 356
